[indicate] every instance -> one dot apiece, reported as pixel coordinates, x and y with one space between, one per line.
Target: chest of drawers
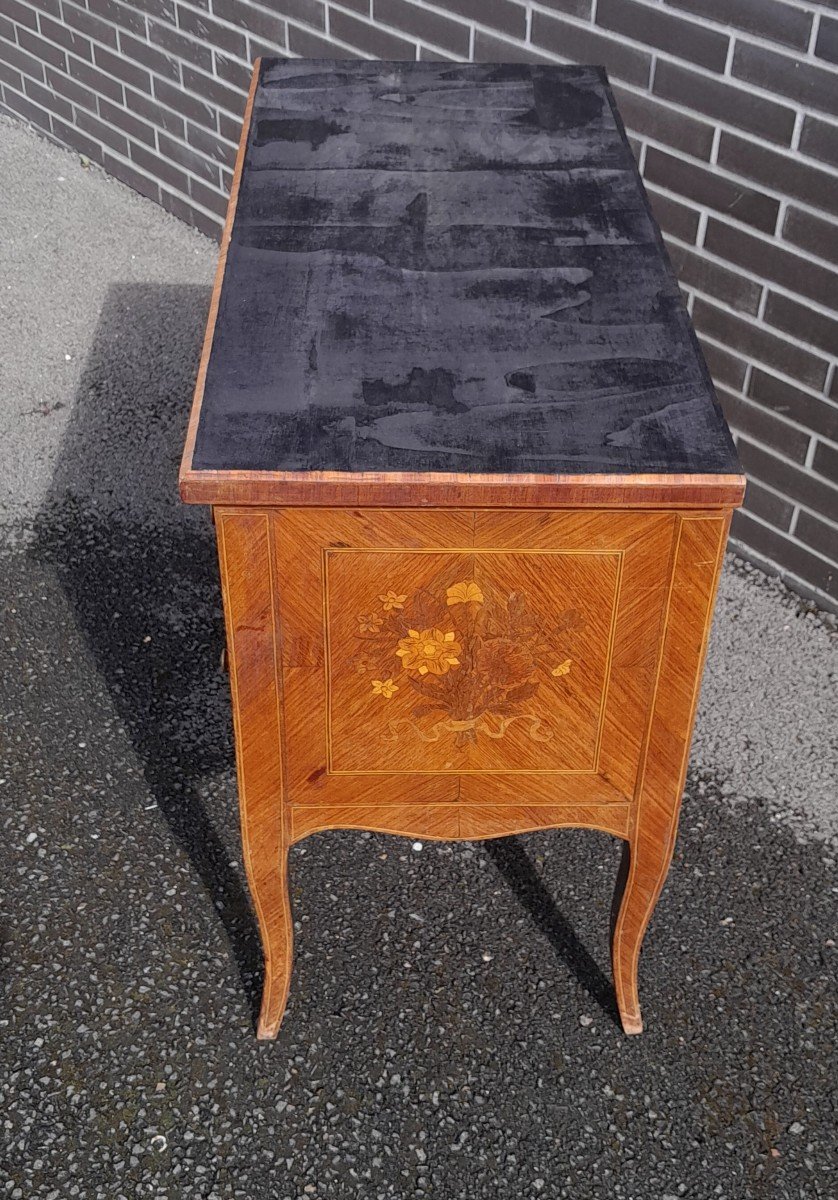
470 480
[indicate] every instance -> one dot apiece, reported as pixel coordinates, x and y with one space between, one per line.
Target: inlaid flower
384 687
391 601
563 668
504 662
371 623
429 651
464 593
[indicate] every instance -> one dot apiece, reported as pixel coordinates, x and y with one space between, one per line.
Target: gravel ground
451 1030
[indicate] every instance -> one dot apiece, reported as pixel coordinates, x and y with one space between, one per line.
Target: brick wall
733 110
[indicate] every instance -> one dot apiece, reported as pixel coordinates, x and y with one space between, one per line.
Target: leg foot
631 1024
273 905
641 877
268 1025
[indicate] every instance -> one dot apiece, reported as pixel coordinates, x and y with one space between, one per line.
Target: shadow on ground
515 866
140 573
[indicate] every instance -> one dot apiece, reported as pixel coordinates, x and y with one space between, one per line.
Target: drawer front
466 657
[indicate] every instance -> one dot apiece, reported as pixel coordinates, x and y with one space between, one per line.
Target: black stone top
450 267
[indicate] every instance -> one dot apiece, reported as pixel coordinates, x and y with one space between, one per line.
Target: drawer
486 657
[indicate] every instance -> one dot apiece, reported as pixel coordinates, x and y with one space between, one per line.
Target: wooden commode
470 480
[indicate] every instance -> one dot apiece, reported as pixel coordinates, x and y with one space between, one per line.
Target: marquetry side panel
364 729
480 822
698 561
300 538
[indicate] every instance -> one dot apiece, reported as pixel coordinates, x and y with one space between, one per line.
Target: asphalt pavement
451 1031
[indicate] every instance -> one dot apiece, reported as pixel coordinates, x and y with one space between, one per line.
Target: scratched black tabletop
449 267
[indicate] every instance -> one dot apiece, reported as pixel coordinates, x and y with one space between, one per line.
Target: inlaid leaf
427 611
523 692
569 621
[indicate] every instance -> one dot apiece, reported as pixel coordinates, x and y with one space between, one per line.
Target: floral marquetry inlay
467 661
475 659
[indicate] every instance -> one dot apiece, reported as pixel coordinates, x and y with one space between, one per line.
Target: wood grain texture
573 681
633 649
697 564
472 295
247 585
450 822
411 489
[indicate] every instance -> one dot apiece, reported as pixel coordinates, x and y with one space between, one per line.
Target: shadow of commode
140 572
139 569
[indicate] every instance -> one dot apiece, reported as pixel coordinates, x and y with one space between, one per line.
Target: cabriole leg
273 906
246 581
641 877
697 560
